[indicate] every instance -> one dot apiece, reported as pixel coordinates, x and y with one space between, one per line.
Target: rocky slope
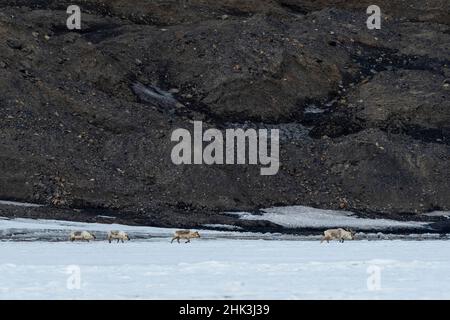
77 132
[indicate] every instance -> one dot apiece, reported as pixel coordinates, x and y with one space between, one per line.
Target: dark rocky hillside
77 129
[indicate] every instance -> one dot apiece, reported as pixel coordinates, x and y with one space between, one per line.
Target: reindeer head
196 234
353 233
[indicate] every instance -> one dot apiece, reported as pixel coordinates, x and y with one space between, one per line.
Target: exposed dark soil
86 118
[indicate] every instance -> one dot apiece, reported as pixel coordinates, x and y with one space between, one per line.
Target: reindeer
118 235
338 234
81 236
185 234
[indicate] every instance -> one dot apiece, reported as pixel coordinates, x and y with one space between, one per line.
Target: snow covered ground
307 217
57 230
225 269
220 265
20 204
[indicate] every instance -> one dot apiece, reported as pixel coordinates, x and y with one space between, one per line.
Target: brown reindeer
185 234
81 236
118 235
338 234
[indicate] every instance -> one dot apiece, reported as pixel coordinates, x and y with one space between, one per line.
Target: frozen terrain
222 269
19 204
307 217
220 265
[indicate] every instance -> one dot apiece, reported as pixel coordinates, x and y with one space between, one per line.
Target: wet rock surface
80 130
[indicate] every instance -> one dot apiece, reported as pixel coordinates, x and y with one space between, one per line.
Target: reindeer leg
178 240
173 239
188 240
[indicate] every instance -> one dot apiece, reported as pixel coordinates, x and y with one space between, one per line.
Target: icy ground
220 265
307 217
226 269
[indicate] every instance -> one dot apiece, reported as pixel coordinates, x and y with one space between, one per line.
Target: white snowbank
220 265
19 204
36 229
222 226
445 214
307 217
226 269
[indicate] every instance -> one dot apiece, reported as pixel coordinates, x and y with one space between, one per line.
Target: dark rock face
79 130
405 101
